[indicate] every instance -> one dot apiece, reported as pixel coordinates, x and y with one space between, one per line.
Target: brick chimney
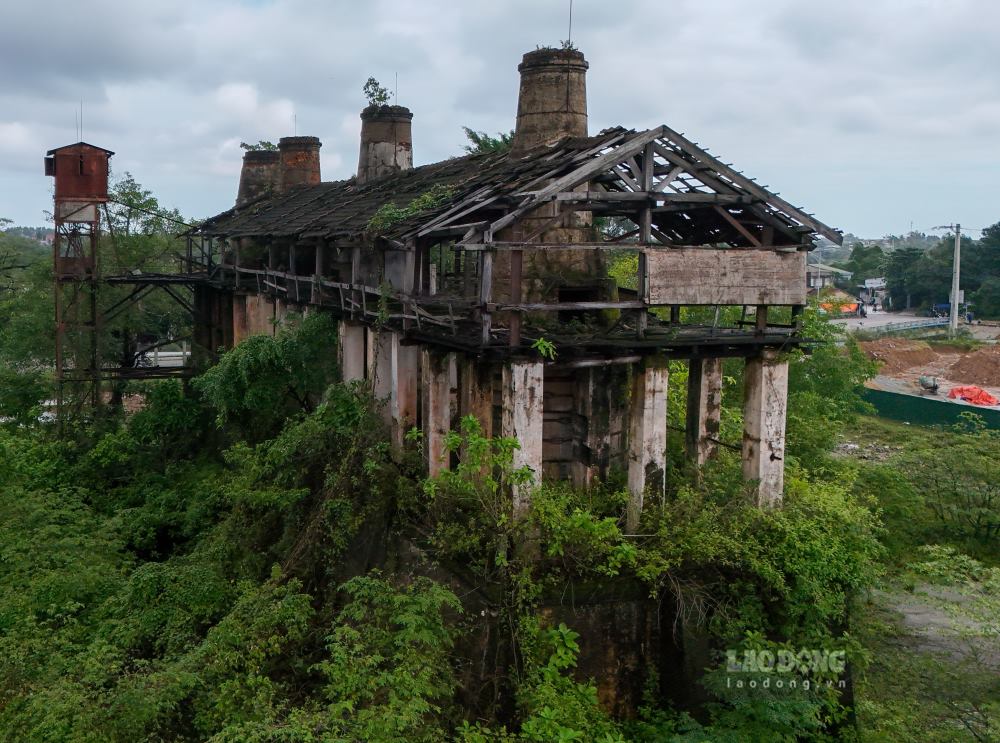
259 175
552 102
299 162
386 142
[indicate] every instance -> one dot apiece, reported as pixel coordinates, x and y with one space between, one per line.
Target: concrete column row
449 387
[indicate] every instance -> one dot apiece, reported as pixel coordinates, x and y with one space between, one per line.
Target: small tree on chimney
262 145
375 93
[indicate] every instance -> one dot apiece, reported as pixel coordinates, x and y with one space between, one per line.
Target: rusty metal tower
81 187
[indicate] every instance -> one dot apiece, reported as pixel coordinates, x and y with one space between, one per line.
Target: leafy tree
20 396
961 484
866 262
899 279
987 299
389 676
481 142
262 145
376 94
265 379
824 386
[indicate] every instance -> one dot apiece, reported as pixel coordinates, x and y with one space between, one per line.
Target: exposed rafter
688 195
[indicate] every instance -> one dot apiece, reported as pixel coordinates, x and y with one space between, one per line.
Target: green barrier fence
926 411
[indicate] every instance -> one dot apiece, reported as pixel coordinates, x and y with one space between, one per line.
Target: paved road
875 319
989 333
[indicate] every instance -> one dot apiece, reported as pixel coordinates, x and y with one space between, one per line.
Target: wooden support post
522 420
643 283
467 272
436 373
797 310
356 295
704 409
647 435
317 290
486 293
765 399
516 263
760 325
351 350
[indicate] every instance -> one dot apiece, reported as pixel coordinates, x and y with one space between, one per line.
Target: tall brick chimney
259 175
552 102
299 162
386 142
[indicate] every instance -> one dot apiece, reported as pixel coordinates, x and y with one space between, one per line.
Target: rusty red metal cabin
80 170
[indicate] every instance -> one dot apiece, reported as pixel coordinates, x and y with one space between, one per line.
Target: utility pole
956 266
955 272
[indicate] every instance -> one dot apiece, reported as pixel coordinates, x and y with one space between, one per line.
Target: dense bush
166 579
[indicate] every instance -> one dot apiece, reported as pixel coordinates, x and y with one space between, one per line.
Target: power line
161 215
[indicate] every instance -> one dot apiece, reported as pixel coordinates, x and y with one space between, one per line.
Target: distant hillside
35 233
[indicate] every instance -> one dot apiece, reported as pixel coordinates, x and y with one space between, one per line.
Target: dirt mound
980 367
898 354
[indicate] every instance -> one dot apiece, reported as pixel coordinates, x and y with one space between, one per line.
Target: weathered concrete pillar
371 348
241 325
407 389
601 403
647 445
351 351
397 371
436 373
522 420
704 409
280 314
476 393
260 314
765 400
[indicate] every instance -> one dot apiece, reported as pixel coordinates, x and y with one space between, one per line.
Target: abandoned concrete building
453 303
481 285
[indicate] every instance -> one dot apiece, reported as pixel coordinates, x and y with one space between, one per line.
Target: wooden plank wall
707 277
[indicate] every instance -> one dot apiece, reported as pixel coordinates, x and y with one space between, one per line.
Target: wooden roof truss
674 192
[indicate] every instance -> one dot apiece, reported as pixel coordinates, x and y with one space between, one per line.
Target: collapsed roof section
694 198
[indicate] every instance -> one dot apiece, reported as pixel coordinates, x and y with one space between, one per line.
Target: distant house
819 276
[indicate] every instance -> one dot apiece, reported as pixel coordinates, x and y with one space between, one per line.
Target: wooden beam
580 175
752 188
567 306
669 178
454 229
739 227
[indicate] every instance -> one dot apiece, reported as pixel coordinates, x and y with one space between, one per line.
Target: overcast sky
872 114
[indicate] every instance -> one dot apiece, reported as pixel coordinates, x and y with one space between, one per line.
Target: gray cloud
845 107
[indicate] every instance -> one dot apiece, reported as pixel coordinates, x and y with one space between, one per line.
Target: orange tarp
841 307
973 394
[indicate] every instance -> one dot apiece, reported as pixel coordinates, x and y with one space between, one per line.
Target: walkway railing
902 327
